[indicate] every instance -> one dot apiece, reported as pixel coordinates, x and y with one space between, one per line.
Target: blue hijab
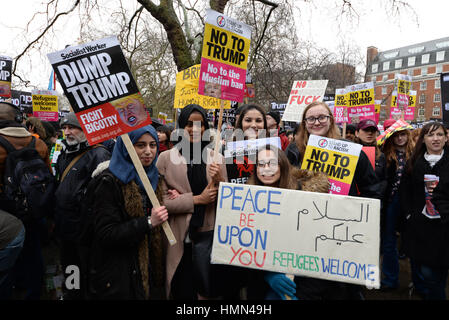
122 166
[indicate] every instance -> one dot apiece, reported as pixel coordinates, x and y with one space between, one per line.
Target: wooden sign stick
218 136
146 183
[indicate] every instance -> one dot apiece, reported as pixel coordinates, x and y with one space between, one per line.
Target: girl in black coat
124 223
424 205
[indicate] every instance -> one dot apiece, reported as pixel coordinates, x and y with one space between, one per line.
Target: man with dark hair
350 132
28 271
74 169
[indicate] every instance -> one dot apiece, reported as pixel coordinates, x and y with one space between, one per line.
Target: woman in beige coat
190 184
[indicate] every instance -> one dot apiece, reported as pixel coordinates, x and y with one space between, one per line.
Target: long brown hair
420 147
303 136
286 180
389 149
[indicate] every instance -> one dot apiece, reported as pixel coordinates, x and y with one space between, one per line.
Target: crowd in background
104 223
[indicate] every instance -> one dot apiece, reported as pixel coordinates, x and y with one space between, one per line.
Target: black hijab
196 172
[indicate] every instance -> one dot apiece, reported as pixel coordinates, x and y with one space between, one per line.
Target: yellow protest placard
186 91
337 158
45 106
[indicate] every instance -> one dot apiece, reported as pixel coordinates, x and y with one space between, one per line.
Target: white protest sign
303 233
302 94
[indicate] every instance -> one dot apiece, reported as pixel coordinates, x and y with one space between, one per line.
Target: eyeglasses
321 119
273 163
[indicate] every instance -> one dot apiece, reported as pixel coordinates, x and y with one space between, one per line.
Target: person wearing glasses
274 170
318 120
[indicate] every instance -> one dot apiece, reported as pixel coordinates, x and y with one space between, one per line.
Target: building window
423 85
374 68
385 77
398 63
373 79
437 84
439 68
422 98
423 71
386 65
440 55
421 112
436 111
410 72
384 90
411 61
425 58
436 97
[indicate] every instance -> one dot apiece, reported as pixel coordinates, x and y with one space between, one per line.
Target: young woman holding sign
424 198
398 149
319 120
274 170
126 255
190 188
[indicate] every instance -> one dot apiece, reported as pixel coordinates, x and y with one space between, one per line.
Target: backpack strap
10 148
75 160
6 144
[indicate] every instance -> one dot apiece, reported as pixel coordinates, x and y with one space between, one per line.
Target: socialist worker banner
225 55
337 158
100 88
302 94
5 76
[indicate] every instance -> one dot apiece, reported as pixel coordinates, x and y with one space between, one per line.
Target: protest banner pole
176 117
218 136
146 183
344 130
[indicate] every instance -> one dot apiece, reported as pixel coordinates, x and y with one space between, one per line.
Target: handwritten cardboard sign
337 158
296 232
302 94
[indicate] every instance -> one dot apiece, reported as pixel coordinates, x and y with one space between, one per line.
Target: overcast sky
373 24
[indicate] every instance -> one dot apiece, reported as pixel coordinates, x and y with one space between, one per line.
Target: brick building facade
424 61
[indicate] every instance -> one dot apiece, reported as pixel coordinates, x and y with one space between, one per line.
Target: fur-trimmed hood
100 168
311 181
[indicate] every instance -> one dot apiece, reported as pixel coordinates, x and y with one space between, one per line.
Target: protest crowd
106 203
103 223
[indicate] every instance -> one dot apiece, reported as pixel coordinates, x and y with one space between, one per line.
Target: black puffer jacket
426 240
70 193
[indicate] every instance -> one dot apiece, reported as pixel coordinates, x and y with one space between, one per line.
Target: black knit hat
70 119
275 115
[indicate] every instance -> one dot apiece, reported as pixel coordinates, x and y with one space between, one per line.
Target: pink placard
221 81
46 115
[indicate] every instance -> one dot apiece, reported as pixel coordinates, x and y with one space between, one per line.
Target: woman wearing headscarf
190 192
125 257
